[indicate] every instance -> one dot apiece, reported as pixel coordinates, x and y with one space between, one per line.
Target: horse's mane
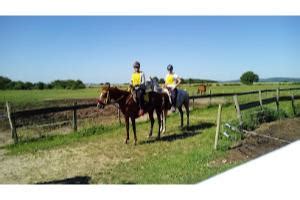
118 90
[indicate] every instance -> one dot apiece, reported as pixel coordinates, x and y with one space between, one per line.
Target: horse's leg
164 119
151 122
187 109
134 129
127 129
158 113
181 116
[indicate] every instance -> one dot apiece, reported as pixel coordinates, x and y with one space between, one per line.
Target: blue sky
100 49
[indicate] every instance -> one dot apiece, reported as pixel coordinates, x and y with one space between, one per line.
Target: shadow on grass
185 133
73 180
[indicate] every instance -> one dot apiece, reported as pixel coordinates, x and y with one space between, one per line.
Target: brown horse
201 89
157 102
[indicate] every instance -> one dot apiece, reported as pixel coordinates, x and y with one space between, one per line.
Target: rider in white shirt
172 80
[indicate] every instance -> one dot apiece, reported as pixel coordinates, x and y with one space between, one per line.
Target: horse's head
104 98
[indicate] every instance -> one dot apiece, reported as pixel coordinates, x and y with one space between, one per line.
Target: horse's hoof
158 138
126 141
135 142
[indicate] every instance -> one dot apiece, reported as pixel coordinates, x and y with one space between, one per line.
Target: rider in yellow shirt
138 85
171 83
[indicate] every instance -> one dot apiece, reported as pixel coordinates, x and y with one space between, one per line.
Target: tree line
7 84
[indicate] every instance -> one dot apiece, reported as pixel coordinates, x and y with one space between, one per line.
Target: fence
12 116
259 103
210 95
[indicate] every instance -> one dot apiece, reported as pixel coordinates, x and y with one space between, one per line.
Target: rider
171 83
138 85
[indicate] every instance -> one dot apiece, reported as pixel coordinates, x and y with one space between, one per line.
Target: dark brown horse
157 102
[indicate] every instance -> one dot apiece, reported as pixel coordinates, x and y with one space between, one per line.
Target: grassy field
181 156
23 97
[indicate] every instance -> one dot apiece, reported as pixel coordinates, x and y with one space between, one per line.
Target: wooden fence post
209 97
119 116
277 99
238 111
193 103
293 104
218 126
74 124
260 99
12 123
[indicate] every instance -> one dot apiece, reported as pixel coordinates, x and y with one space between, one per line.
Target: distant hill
273 79
280 79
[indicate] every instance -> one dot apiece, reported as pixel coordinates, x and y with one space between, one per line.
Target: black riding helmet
170 67
136 64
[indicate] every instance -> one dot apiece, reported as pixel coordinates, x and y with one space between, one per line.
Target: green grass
54 141
24 97
181 156
20 98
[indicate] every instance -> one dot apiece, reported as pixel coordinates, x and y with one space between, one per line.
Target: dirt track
253 146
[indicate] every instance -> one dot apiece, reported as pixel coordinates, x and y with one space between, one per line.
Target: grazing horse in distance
130 108
201 89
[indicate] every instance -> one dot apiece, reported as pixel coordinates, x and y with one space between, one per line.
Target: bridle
108 100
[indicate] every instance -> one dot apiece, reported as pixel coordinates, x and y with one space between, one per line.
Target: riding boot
141 103
174 97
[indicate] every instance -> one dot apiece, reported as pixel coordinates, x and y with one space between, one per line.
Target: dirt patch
254 145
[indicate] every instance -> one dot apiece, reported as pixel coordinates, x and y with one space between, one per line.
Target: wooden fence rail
261 102
267 101
12 116
241 93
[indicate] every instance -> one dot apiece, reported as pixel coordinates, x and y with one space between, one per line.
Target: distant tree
40 86
28 86
156 79
19 85
4 82
67 84
249 77
161 80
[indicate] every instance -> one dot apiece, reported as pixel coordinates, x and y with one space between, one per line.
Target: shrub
253 118
249 77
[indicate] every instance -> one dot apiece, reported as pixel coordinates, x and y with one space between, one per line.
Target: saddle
145 97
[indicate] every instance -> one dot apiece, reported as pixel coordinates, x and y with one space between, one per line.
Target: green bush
253 118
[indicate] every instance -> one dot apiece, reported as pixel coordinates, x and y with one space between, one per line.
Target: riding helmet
170 67
136 64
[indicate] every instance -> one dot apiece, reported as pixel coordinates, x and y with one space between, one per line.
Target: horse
201 89
181 100
130 108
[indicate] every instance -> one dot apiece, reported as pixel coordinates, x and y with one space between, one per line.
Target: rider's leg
141 101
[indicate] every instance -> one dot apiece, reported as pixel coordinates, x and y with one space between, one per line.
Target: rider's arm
178 80
143 80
